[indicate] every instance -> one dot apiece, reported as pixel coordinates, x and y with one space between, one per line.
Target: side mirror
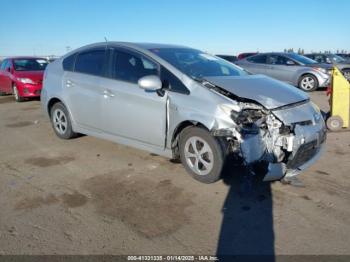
8 69
150 83
290 62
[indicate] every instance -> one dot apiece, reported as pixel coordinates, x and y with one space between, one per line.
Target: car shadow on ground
247 224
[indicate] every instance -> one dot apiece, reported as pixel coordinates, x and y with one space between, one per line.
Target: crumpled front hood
268 92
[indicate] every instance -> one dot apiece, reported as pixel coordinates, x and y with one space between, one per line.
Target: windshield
301 59
31 64
337 58
197 64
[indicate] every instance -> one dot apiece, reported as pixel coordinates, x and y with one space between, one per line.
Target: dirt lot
89 196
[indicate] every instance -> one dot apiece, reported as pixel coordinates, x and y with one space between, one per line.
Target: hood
268 92
36 76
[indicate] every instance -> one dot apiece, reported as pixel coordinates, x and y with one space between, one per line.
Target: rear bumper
29 90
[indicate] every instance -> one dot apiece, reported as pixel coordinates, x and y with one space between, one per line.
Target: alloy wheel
199 155
15 92
60 121
307 83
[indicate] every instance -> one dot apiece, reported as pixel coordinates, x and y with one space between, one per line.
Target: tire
61 122
207 166
16 94
308 83
346 73
334 123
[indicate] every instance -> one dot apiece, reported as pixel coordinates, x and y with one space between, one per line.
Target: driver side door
281 68
128 111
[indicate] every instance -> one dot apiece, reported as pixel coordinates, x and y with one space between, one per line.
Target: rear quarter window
68 63
90 62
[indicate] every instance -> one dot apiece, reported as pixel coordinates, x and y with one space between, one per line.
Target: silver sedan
184 104
291 68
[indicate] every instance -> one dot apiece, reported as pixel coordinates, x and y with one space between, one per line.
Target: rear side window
131 67
91 62
68 63
259 59
171 82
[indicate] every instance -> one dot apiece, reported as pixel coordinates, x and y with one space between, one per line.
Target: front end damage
287 139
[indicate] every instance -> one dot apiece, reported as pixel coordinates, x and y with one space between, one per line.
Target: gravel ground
90 196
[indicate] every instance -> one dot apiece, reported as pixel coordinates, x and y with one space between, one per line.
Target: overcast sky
45 27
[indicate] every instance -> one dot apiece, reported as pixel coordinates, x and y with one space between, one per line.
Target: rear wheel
16 94
308 83
202 155
61 122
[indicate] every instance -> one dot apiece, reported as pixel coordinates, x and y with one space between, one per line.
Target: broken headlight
249 120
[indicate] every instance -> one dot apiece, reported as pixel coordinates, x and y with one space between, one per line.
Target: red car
22 76
245 55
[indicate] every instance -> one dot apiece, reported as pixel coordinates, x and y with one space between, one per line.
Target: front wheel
202 155
308 83
16 94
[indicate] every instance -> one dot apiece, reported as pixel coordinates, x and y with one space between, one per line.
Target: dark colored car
345 56
22 76
230 58
245 55
338 61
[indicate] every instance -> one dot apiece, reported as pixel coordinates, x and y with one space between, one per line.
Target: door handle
69 83
108 93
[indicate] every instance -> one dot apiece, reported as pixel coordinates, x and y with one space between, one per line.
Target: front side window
172 83
31 64
130 67
197 64
278 60
259 59
90 62
68 63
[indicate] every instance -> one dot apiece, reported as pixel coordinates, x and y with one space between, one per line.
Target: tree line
301 51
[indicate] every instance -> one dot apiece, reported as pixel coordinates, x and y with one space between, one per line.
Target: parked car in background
22 77
245 55
342 64
183 103
345 56
230 58
292 68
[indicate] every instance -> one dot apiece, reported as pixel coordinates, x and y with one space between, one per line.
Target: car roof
25 57
145 46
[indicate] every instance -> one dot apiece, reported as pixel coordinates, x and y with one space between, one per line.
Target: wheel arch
308 73
51 103
177 131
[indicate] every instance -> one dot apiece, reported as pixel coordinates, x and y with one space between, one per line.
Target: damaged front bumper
289 141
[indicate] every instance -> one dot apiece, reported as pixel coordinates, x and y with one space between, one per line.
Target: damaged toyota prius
185 104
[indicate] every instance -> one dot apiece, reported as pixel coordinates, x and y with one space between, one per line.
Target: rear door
129 111
83 87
